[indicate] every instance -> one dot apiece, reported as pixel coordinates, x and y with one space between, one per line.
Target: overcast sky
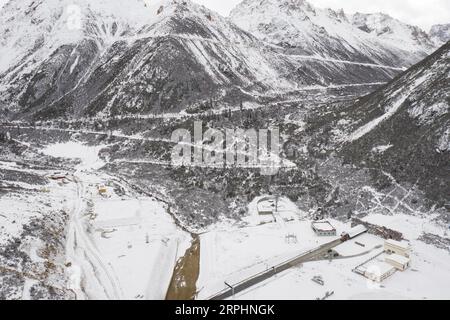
423 13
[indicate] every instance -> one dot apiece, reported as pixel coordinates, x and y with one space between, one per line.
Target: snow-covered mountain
121 56
392 32
440 33
404 128
78 58
92 207
43 26
303 29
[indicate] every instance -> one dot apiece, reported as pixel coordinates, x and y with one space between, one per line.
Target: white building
399 262
323 228
401 248
379 271
356 231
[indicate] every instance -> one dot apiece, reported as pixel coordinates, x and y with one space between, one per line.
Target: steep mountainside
404 128
73 58
303 29
393 33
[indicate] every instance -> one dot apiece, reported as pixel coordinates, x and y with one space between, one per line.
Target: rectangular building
401 248
323 228
356 231
379 271
399 262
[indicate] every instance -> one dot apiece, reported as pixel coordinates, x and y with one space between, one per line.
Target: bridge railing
275 269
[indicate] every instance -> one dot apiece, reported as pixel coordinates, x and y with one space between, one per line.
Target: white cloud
423 13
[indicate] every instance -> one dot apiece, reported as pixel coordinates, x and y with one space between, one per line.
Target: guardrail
356 269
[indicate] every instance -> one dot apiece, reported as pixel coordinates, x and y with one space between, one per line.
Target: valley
93 206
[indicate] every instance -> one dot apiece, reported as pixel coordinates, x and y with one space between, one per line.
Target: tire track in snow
79 240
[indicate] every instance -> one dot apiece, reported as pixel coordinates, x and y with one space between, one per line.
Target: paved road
275 270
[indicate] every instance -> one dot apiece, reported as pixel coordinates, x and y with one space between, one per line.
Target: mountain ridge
403 128
301 28
183 55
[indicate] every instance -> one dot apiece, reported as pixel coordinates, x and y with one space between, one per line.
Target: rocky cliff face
440 33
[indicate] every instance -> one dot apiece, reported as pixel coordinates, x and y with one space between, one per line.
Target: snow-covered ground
121 244
231 253
88 155
136 239
411 226
427 278
33 212
18 209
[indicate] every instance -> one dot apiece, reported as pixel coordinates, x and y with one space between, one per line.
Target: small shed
103 190
323 228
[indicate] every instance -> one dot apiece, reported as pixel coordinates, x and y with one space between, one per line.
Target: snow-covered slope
304 29
66 54
83 59
57 39
411 117
39 26
440 33
392 32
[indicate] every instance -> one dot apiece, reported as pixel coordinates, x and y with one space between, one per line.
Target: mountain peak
275 5
440 33
303 29
30 25
394 31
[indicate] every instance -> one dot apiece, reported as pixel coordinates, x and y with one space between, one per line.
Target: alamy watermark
228 148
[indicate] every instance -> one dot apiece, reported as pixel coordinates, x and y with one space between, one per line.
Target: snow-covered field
121 244
231 253
427 278
88 155
33 213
